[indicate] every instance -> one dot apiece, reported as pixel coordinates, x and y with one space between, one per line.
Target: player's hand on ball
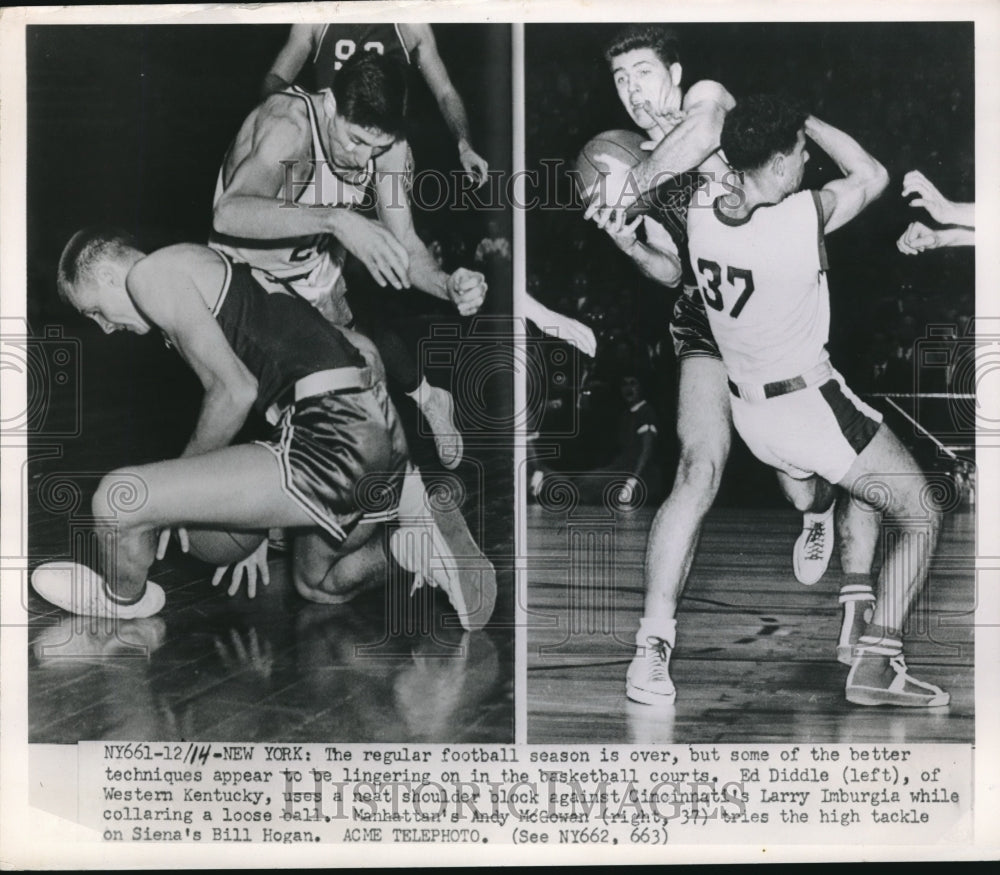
182 539
916 238
473 164
466 290
254 564
374 246
624 233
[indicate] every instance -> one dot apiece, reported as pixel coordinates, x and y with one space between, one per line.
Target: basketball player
253 343
761 266
330 45
645 65
339 149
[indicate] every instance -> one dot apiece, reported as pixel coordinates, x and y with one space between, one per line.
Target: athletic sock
657 627
858 600
124 602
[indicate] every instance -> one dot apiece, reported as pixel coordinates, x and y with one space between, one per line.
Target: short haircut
83 252
370 90
661 40
760 127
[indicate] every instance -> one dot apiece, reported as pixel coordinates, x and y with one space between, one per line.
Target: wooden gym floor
755 660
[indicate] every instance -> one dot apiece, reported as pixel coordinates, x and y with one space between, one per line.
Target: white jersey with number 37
763 281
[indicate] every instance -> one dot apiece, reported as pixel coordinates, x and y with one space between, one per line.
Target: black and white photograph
481 433
251 518
678 590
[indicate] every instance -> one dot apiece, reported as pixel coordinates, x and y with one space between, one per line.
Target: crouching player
254 343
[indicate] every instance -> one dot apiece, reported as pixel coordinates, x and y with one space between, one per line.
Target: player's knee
915 500
803 501
121 495
700 472
319 582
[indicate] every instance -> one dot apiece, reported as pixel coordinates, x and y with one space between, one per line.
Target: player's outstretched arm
659 262
421 37
162 287
864 177
466 289
918 238
557 325
937 205
291 59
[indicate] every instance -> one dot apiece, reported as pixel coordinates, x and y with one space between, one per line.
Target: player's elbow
225 218
244 394
877 180
235 396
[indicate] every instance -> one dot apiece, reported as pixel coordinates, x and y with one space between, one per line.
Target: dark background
903 90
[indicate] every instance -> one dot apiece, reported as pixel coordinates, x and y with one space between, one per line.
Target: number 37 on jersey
723 286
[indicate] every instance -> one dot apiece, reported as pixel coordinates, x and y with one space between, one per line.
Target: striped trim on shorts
342 457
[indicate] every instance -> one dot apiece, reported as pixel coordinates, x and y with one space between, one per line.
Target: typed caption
469 794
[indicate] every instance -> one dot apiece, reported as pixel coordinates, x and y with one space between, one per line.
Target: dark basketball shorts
342 457
689 327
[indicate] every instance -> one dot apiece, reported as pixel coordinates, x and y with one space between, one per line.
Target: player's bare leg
886 476
704 428
333 574
235 487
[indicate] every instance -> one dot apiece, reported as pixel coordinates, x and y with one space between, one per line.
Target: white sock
657 627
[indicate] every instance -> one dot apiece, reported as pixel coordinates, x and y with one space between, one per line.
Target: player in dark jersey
335 429
645 65
329 45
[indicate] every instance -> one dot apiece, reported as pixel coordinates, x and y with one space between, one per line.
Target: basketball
609 156
218 547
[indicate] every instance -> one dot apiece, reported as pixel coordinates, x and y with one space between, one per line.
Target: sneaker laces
815 542
658 654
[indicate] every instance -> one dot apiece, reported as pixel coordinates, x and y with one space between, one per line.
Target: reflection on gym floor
274 668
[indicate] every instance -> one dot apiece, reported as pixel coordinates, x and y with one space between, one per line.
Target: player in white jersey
645 66
313 265
760 262
298 151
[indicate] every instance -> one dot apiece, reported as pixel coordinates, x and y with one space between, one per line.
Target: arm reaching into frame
435 74
563 327
940 209
291 59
